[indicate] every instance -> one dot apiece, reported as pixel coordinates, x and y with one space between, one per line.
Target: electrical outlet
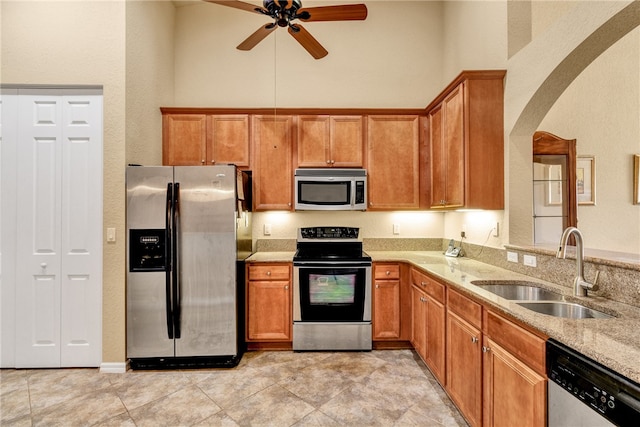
529 260
463 234
512 256
267 230
396 228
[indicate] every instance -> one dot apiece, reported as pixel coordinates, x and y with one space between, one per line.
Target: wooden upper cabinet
393 158
466 142
273 142
330 141
228 139
184 139
201 139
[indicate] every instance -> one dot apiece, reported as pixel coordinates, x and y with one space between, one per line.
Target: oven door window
332 295
324 193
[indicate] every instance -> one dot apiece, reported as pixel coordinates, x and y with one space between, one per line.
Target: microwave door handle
353 193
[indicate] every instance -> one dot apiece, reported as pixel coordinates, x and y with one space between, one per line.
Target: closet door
59 223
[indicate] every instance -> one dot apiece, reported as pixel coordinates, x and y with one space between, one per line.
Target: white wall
391 60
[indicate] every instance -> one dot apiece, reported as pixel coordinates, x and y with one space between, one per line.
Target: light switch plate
396 228
267 230
530 260
512 256
111 235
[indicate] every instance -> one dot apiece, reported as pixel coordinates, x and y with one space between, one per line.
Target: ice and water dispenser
147 250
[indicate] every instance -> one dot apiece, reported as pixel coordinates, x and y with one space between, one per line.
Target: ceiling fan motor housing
282 11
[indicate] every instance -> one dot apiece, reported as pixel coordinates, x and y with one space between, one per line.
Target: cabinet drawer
269 272
433 288
386 271
526 346
464 307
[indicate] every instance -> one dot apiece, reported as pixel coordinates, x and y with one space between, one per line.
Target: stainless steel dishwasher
583 393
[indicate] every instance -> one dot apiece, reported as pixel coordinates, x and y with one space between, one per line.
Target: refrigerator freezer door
207 261
147 334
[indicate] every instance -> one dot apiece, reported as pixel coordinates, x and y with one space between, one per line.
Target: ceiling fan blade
307 41
255 38
347 12
240 5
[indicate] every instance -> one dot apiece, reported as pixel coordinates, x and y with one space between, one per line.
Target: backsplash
618 281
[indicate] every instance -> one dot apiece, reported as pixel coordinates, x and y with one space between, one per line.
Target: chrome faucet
580 285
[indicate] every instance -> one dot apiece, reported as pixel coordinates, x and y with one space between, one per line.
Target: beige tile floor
378 388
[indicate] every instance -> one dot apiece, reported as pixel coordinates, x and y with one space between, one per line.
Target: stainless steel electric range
332 290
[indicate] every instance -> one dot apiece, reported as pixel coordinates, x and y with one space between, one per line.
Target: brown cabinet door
273 175
347 142
184 139
419 321
269 311
393 156
386 309
514 394
464 367
435 338
228 140
446 133
453 130
330 141
313 142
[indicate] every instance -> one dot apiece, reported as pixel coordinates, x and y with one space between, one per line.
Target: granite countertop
613 342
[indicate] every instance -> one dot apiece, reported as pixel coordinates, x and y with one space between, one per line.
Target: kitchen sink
564 309
518 291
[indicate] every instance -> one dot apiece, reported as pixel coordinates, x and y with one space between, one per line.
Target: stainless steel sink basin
518 291
564 309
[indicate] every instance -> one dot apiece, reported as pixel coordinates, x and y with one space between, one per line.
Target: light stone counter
613 342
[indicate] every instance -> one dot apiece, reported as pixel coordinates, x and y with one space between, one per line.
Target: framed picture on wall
586 180
636 179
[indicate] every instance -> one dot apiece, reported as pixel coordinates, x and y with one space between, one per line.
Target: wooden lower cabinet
428 322
386 301
269 302
514 394
464 367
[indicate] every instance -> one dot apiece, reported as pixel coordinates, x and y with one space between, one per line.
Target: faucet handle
594 285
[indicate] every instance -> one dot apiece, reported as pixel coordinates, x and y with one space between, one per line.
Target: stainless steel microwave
331 189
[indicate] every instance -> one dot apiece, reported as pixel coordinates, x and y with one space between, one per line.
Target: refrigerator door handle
176 260
167 257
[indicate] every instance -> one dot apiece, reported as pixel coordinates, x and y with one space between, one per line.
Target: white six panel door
59 228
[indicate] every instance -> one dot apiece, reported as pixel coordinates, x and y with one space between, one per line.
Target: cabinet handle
485 349
387 272
268 273
377 286
423 284
328 161
474 339
213 162
202 161
333 161
286 286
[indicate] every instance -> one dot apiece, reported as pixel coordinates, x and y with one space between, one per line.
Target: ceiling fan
284 12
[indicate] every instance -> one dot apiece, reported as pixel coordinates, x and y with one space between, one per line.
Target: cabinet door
419 321
393 162
313 141
184 139
346 144
386 309
453 131
446 133
464 367
269 311
228 141
514 394
273 177
437 159
435 338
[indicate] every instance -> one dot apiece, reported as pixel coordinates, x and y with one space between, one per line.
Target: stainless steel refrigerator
188 230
